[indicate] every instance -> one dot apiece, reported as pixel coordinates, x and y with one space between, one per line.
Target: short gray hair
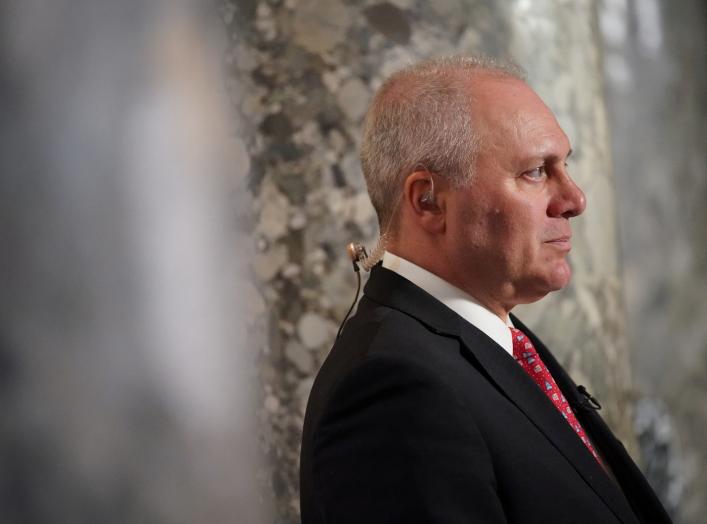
421 117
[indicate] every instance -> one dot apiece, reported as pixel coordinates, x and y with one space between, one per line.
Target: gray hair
421 117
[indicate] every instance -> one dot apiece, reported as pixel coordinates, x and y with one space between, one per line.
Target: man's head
421 117
498 225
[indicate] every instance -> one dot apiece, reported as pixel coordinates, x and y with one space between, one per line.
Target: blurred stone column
303 72
124 378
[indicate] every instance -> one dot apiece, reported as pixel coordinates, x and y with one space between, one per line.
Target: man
435 403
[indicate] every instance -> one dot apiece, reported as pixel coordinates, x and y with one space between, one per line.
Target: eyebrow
544 158
555 158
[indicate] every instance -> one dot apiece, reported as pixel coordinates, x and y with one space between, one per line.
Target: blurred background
179 182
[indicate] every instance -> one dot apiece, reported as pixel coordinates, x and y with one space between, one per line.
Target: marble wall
655 56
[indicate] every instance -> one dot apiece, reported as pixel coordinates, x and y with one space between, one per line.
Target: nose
568 199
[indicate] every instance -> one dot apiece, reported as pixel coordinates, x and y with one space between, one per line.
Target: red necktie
525 354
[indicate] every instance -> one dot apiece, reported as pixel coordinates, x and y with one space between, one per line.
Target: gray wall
656 70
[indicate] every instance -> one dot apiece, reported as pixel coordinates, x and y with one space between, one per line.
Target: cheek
469 226
500 231
512 227
498 223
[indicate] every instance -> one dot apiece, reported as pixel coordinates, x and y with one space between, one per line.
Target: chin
560 277
540 291
546 283
536 286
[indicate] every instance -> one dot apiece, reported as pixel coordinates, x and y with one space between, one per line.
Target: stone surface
353 98
320 26
300 357
240 159
390 20
314 330
273 220
266 265
302 393
656 82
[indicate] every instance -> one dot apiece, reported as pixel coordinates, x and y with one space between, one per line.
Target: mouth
563 243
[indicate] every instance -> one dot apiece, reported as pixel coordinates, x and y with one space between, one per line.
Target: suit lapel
639 493
530 399
389 288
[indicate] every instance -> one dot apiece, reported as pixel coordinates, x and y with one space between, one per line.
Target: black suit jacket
417 416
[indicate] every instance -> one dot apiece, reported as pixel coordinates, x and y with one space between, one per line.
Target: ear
425 200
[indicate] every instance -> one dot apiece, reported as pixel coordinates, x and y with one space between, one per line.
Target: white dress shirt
455 299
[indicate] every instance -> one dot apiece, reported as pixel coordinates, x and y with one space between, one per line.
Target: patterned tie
525 354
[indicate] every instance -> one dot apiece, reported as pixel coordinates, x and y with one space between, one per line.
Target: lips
563 242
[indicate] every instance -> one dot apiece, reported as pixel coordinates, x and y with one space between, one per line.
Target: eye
536 174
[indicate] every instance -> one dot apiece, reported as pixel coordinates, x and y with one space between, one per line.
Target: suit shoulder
381 343
378 330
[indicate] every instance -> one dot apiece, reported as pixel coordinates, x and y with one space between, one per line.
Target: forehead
511 116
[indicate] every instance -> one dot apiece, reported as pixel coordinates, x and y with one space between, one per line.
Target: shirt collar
455 299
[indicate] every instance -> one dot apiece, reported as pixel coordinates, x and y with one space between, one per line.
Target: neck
437 265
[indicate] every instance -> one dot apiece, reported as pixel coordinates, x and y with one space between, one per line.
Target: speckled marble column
303 72
655 51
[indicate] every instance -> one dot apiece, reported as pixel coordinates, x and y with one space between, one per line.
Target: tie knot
522 346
